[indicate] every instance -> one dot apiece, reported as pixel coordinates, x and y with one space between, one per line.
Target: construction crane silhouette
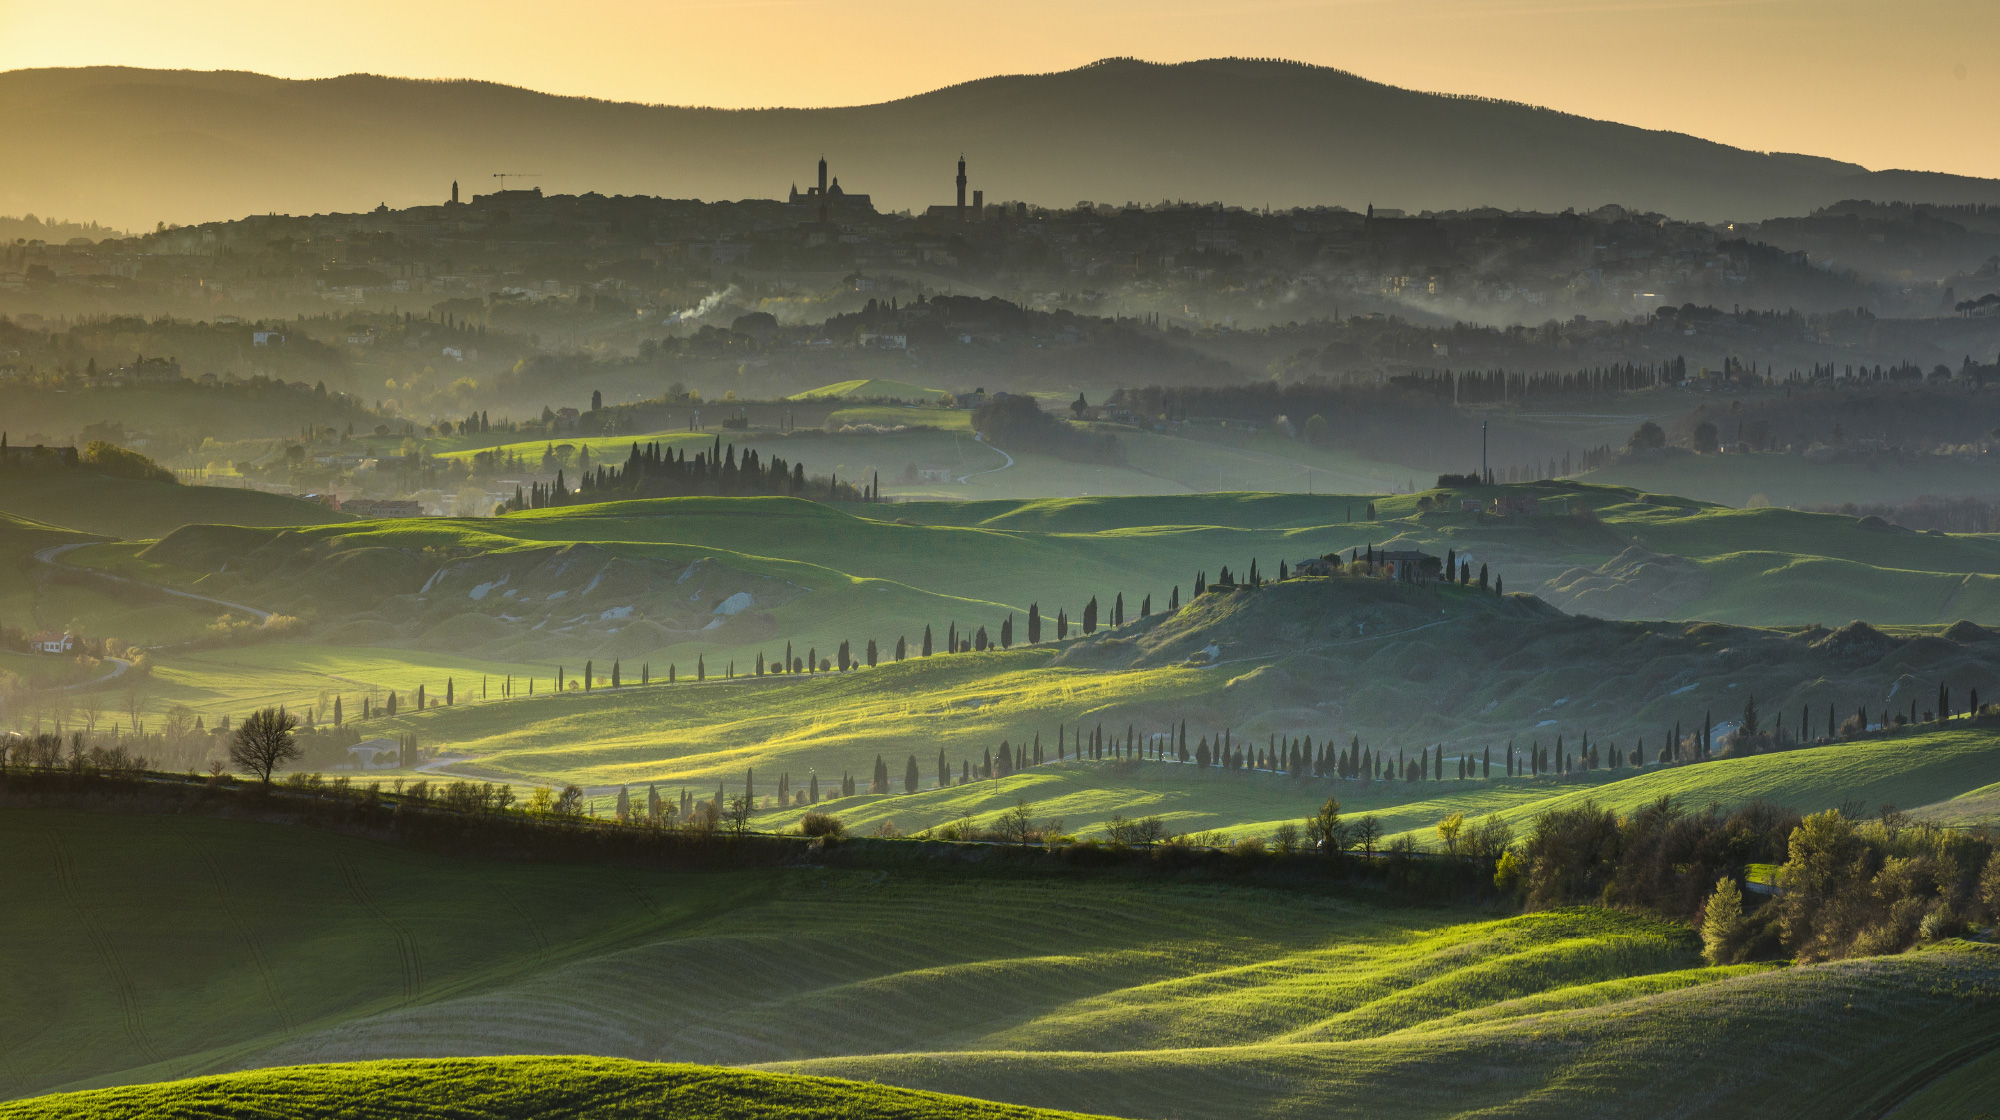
503 176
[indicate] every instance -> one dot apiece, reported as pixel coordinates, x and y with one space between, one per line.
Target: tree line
653 471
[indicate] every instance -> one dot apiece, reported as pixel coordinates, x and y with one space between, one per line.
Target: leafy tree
1646 437
1324 830
264 742
1704 437
1723 928
1448 830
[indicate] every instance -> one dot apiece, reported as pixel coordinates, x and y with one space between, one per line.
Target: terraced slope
513 1089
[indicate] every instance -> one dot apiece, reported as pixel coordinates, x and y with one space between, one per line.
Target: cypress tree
812 787
944 770
902 648
927 640
449 692
911 778
1174 602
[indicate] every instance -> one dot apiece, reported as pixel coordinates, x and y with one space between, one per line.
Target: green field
1924 771
871 389
514 1089
1789 480
641 584
118 507
1085 991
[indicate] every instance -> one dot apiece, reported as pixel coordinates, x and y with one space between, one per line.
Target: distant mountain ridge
133 146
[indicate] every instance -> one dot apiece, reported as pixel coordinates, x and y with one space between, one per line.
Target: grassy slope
1788 480
868 388
117 507
20 539
513 1089
169 948
1915 770
1730 1048
1156 463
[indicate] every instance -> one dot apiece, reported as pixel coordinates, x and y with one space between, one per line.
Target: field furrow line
251 946
407 956
121 980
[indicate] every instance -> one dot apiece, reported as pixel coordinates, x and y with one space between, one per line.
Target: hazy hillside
223 144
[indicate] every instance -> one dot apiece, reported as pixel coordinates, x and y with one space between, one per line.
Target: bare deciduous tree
264 742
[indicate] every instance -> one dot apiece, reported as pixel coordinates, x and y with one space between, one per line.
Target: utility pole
1482 453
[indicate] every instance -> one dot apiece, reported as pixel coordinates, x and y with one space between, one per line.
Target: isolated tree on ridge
264 742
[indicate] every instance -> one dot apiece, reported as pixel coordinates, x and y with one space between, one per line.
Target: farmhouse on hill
1407 563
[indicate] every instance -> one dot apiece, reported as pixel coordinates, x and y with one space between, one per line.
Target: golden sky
1909 83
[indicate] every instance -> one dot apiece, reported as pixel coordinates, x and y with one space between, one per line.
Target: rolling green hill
657 584
133 510
177 947
1942 774
514 1089
1789 480
872 389
1402 670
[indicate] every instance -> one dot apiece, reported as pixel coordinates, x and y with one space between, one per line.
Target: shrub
822 824
110 459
